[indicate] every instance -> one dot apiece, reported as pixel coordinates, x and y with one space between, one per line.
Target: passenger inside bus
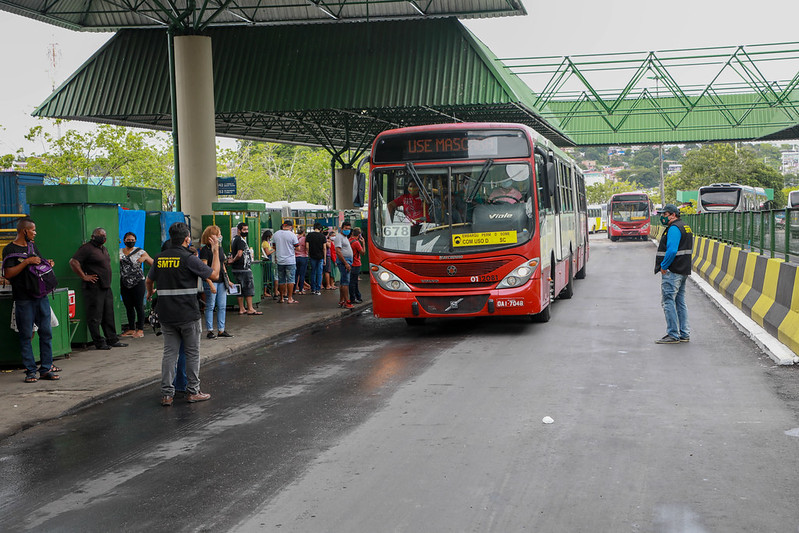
443 197
414 209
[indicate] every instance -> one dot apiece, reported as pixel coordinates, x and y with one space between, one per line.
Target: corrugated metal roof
317 85
109 15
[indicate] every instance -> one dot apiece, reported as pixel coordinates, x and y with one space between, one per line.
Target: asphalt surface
367 425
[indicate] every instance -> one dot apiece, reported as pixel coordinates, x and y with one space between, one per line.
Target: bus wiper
480 179
418 181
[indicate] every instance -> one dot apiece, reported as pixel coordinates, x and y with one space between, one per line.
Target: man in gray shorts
240 261
285 242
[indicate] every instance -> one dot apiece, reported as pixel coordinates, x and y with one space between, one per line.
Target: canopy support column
194 91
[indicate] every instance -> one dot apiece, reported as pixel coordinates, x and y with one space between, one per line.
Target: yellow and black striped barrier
766 290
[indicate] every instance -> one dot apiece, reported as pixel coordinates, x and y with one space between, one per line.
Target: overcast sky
550 28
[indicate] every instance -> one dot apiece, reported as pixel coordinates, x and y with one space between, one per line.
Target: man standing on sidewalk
241 265
673 262
285 243
175 273
92 264
344 263
29 309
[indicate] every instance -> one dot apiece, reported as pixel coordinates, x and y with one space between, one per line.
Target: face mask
27 239
130 244
99 239
345 232
664 219
244 233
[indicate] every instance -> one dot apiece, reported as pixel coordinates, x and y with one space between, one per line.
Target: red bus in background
628 216
473 219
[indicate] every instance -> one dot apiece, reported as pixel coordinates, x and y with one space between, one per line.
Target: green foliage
600 193
723 163
107 154
644 177
274 172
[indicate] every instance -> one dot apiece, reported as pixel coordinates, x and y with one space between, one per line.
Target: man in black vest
673 262
176 272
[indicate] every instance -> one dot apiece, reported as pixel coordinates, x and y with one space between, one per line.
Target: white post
194 84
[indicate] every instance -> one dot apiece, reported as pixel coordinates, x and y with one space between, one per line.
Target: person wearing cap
673 263
286 242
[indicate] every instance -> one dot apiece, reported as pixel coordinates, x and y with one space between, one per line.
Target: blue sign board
226 186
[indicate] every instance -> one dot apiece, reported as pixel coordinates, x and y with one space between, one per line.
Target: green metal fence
774 233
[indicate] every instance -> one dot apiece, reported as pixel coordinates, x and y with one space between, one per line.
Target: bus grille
440 268
452 305
444 286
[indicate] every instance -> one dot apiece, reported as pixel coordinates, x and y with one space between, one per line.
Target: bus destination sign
451 145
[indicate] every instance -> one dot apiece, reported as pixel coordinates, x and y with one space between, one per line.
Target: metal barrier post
786 232
762 234
772 232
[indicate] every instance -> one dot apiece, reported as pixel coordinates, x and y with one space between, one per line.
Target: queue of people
185 287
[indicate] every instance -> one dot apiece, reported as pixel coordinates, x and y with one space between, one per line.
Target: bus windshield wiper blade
480 179
418 181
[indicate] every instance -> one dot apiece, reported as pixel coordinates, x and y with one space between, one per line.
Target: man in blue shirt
673 263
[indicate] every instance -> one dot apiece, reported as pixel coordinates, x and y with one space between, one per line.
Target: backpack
130 273
39 280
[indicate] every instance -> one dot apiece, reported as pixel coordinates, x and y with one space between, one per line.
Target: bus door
547 219
560 205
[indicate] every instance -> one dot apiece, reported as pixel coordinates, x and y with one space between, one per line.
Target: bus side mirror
551 178
358 189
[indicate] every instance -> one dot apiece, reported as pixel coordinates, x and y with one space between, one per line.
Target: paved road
372 426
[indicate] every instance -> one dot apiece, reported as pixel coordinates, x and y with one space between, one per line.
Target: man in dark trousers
315 242
93 265
29 309
175 273
673 263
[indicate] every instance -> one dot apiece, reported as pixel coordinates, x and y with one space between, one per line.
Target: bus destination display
435 146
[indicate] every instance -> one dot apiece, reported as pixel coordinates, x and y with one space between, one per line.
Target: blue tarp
131 220
167 219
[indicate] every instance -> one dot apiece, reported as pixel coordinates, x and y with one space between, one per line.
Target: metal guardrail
774 232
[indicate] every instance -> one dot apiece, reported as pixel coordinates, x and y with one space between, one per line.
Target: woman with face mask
131 281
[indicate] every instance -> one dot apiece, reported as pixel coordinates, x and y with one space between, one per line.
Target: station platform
90 376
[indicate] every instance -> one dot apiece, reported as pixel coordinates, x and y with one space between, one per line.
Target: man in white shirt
344 263
285 241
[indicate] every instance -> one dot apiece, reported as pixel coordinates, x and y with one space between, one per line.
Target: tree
274 172
107 154
723 163
644 177
600 193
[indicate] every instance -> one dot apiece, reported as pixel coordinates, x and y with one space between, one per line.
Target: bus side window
541 181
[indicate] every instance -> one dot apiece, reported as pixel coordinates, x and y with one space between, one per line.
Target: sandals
30 379
54 368
49 376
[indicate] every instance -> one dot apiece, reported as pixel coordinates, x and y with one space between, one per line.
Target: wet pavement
364 425
89 376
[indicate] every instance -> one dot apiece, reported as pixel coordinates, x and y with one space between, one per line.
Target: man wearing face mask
240 261
93 265
673 263
344 259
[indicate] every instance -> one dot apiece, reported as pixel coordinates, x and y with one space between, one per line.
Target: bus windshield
446 209
629 211
720 199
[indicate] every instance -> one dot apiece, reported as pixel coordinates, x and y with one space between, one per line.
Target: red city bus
628 216
473 219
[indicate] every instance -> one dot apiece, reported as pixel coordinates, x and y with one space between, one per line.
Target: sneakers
358 301
210 335
199 397
224 334
117 344
347 305
166 401
667 339
685 339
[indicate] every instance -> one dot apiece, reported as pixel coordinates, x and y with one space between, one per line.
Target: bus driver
413 207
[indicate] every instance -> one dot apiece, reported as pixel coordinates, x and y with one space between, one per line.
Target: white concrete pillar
194 83
344 178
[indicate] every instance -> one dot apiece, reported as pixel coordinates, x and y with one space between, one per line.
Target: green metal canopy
331 85
198 15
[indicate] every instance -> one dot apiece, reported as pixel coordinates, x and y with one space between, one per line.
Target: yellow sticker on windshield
482 239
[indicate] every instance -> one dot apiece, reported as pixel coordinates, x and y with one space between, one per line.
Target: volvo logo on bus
452 270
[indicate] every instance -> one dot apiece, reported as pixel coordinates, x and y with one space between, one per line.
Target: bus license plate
510 302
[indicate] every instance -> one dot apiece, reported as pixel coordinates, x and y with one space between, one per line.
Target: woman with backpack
131 280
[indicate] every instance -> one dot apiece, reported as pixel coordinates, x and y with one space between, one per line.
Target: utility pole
662 183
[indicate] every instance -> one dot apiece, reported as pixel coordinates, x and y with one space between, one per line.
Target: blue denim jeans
672 290
302 267
216 301
316 274
28 313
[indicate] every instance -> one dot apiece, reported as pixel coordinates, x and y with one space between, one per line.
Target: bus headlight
387 279
616 227
520 275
